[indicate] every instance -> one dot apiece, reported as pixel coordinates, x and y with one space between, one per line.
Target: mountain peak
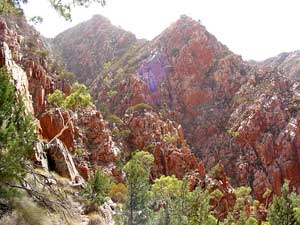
100 18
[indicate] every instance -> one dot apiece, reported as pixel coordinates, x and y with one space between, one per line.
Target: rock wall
243 115
165 140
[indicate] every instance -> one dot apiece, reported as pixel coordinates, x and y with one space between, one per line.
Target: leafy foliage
17 136
284 209
57 98
79 98
137 206
36 20
168 191
97 188
114 119
118 193
62 7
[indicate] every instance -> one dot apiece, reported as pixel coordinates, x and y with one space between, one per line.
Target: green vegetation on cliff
17 137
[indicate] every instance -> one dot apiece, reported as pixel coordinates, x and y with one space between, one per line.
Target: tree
97 188
169 193
284 209
62 7
199 209
17 137
137 207
79 98
240 215
57 98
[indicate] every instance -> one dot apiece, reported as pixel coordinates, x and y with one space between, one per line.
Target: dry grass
96 219
26 212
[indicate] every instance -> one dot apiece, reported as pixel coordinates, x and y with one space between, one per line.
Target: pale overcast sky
255 29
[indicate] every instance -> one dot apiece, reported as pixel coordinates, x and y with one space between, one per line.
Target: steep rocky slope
241 114
104 41
186 75
287 63
74 144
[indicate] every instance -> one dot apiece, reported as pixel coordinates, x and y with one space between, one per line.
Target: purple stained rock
153 70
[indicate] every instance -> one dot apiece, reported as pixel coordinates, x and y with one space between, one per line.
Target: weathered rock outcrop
241 114
165 140
266 125
21 48
188 76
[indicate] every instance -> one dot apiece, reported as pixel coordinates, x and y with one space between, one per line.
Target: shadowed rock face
266 122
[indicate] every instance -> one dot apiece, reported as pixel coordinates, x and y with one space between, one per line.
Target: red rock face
188 76
86 131
266 121
164 139
53 122
231 112
244 116
95 137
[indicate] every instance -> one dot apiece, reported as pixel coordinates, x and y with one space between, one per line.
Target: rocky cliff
75 143
243 115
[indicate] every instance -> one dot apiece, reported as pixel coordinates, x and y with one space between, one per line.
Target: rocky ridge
74 144
240 114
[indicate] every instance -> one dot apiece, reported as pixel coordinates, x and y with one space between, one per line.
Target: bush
97 188
171 139
175 52
112 93
95 219
57 98
114 119
118 193
79 98
67 76
17 137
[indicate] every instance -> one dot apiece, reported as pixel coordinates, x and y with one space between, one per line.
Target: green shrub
97 188
175 52
79 98
112 93
118 193
123 134
67 76
57 98
169 138
17 137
